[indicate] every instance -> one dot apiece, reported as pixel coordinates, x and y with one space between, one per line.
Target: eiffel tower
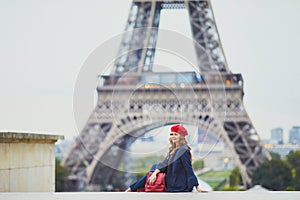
211 98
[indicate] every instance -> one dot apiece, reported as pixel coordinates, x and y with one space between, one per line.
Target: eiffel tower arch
133 99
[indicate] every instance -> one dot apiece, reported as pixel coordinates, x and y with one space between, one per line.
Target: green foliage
198 164
143 164
221 185
235 177
229 189
215 184
293 158
60 176
289 188
275 156
216 174
273 175
216 179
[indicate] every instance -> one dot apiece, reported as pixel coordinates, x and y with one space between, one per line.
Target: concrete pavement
218 195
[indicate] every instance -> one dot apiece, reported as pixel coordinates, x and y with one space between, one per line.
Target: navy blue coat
180 176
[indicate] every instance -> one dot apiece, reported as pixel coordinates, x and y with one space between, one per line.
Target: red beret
179 129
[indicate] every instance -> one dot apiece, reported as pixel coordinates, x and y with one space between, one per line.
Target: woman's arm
162 166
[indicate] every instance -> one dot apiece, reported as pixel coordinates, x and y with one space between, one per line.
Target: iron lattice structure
212 100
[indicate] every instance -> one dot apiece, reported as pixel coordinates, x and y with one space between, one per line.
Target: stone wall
27 162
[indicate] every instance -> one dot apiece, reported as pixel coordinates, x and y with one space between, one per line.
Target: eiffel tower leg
240 134
139 41
246 143
206 36
82 152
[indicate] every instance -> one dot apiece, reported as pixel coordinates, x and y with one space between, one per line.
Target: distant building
276 136
294 135
282 150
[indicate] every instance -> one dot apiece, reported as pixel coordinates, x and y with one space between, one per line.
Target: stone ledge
17 137
222 195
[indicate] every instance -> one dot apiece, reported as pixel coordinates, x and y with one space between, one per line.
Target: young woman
177 165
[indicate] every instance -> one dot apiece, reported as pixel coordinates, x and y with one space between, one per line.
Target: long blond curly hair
173 147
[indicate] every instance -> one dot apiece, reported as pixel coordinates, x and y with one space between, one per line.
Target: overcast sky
44 43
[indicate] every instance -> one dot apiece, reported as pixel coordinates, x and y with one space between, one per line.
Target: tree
273 175
60 175
293 158
275 156
235 178
198 164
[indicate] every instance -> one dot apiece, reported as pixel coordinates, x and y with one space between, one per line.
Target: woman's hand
152 178
200 190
